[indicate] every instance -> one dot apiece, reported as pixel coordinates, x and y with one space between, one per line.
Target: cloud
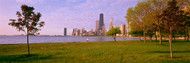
29 1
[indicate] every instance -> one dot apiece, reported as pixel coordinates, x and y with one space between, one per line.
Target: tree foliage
113 32
27 19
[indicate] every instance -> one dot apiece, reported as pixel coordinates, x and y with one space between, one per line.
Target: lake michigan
55 39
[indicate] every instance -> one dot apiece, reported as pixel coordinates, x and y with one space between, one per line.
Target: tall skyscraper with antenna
101 21
102 29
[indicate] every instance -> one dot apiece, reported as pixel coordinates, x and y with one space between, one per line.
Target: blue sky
59 14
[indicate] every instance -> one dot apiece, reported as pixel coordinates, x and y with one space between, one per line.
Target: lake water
54 39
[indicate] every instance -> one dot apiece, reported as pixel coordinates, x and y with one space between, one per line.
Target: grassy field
97 52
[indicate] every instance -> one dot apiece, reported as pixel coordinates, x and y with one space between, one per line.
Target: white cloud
29 1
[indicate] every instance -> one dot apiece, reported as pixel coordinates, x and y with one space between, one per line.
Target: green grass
97 52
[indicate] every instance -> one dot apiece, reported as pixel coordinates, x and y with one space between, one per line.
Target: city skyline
66 14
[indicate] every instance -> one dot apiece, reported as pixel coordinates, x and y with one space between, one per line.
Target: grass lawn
97 52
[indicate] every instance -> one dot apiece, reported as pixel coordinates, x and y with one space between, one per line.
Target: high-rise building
97 24
101 21
78 32
103 31
73 33
101 26
111 24
123 30
81 32
97 27
65 31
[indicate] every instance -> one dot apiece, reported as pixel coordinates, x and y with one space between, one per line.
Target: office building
101 21
101 31
65 31
123 30
97 28
111 24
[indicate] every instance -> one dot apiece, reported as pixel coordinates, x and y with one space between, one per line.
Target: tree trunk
144 37
160 37
187 35
174 37
170 41
155 36
139 38
150 39
28 41
114 37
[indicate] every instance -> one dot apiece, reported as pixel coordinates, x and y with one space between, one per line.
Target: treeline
152 18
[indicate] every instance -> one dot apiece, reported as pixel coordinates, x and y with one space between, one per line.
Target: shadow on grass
187 51
180 41
23 58
163 44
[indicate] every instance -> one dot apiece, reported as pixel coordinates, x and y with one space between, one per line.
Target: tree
136 34
172 20
186 9
138 18
157 6
134 23
113 33
28 21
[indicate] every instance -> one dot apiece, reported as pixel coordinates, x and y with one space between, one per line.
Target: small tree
113 33
28 22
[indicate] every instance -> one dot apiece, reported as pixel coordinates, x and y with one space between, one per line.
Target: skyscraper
101 21
81 32
100 27
111 24
97 24
73 33
97 27
65 31
103 31
123 30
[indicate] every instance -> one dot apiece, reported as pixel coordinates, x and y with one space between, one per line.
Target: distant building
101 21
128 29
81 32
111 24
101 31
65 31
97 28
114 26
123 30
78 32
73 33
